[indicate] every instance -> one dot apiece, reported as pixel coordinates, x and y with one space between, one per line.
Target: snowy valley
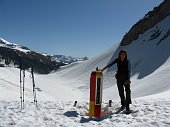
57 91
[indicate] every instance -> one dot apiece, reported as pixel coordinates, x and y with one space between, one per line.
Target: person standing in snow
123 78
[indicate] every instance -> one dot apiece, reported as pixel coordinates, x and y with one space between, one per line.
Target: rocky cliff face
150 20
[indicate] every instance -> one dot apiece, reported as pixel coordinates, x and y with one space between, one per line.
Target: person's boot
123 103
127 109
122 107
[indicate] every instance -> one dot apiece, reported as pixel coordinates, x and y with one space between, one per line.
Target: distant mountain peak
7 44
65 59
12 54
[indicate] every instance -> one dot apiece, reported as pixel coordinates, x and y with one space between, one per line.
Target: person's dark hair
123 51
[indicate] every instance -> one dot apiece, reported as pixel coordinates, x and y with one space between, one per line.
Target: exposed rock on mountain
147 22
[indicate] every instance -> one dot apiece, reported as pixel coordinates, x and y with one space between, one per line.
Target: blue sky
70 27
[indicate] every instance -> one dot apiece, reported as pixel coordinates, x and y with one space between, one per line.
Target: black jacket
122 67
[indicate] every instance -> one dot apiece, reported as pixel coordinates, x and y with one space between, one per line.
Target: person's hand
127 82
103 69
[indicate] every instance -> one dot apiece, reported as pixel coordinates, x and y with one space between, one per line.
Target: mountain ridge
12 54
151 19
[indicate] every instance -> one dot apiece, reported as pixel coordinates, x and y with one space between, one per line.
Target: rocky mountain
12 54
150 20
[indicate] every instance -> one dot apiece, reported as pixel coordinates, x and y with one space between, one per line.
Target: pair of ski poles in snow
22 86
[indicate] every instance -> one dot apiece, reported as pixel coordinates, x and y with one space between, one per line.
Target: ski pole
35 98
34 92
20 85
23 87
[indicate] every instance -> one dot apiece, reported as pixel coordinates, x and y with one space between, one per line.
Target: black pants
121 78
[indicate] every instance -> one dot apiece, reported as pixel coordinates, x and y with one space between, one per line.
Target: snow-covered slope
56 92
56 99
152 112
150 66
149 56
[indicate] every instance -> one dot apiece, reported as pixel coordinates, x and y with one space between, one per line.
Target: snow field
152 112
56 92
